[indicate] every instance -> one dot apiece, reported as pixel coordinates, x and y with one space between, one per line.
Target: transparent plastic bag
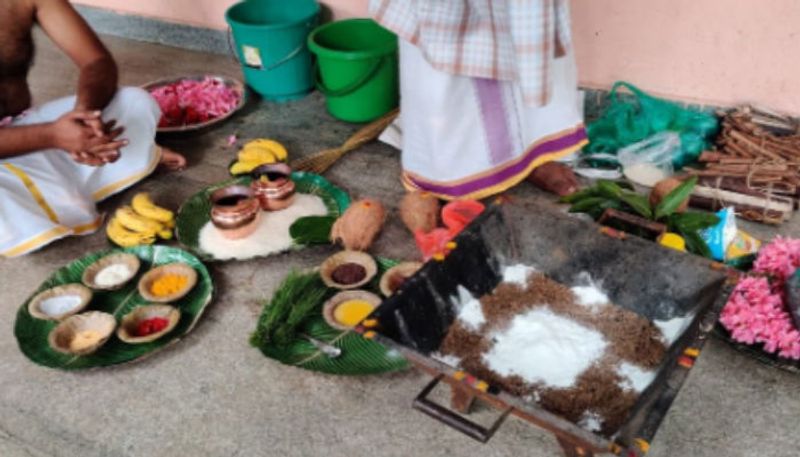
650 160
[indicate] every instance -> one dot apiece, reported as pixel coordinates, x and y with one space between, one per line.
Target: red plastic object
457 214
433 242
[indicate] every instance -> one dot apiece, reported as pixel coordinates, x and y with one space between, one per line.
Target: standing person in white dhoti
489 94
58 159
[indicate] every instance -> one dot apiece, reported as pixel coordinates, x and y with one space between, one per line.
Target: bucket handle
350 88
275 65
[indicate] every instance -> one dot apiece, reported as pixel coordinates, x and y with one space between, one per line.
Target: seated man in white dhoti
58 159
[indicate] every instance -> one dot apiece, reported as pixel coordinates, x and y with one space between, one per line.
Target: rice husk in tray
600 394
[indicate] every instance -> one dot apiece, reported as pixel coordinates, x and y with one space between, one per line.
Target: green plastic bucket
357 68
270 37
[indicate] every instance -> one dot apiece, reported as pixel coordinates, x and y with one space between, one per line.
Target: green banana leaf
196 211
32 333
359 356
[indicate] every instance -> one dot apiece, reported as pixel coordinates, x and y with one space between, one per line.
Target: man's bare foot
554 177
171 160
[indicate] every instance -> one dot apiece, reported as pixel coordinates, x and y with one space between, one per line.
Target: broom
320 162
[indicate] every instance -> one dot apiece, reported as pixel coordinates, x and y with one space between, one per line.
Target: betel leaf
638 203
695 244
609 189
579 195
673 200
690 222
586 204
312 230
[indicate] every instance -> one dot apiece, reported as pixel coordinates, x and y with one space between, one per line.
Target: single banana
241 167
258 155
123 237
143 205
256 149
131 220
165 234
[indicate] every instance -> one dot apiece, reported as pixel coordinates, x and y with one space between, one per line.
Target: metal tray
641 276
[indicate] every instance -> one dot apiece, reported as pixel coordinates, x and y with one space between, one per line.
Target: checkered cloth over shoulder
510 40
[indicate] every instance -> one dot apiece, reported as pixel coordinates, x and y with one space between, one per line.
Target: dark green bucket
357 68
270 37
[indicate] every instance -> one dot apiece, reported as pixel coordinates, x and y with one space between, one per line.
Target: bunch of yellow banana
256 153
140 223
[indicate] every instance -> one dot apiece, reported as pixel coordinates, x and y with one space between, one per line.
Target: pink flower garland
755 312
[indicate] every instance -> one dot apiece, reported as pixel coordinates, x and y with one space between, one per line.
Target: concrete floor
214 395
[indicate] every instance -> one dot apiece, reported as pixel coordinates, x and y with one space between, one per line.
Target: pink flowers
189 102
755 312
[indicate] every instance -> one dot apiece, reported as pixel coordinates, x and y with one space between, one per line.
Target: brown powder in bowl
348 273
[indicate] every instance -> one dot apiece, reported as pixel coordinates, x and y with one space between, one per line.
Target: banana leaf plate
195 213
359 356
32 333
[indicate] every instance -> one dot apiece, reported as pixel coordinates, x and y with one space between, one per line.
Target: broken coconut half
348 270
82 334
394 277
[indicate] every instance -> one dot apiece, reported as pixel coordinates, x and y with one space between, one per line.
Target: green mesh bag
631 119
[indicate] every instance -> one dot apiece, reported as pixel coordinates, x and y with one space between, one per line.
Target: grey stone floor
213 395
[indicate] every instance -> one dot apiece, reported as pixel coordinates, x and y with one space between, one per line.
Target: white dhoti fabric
466 137
46 195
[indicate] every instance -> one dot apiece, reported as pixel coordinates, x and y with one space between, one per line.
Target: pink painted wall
712 51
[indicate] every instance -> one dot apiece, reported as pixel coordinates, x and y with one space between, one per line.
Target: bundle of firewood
755 166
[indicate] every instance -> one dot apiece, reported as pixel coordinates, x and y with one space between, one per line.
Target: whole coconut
419 211
662 189
360 224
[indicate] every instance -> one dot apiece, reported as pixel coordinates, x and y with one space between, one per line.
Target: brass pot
273 186
235 211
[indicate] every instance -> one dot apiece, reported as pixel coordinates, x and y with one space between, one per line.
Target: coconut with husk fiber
348 270
128 327
360 224
419 211
82 334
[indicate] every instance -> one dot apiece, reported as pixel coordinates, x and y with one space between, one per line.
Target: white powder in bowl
271 235
542 347
112 275
58 305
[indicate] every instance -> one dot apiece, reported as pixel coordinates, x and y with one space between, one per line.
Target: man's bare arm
97 83
16 141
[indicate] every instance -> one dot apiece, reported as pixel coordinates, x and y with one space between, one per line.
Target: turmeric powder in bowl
168 284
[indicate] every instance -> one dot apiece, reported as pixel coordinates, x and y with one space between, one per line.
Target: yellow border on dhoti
112 188
37 241
33 189
506 184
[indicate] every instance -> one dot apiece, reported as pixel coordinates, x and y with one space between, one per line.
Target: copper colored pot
235 211
273 186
